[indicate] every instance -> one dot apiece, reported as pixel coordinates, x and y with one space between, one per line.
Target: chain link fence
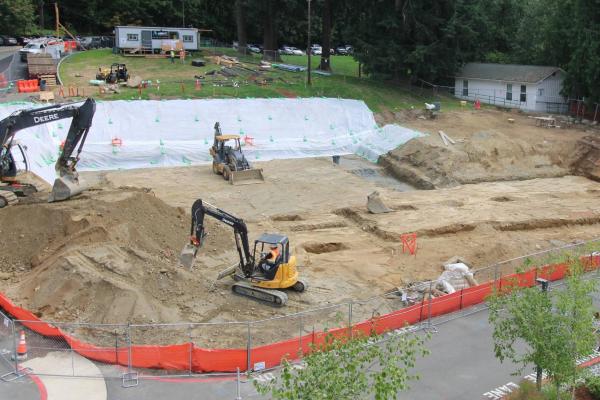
173 348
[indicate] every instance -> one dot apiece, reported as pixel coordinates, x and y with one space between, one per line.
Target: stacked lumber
40 64
224 60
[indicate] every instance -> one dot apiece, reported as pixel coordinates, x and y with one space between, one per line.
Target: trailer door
147 40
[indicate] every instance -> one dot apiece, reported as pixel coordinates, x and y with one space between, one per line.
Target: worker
182 56
271 262
172 55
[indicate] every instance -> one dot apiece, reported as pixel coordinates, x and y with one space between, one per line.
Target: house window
132 37
465 88
509 91
540 92
188 38
523 98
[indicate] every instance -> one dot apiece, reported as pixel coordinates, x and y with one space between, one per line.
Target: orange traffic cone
22 347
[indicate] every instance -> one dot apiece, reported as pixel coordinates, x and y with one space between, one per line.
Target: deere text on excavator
260 274
230 161
67 183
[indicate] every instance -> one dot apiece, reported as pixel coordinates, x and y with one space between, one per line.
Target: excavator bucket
66 187
247 177
375 204
187 256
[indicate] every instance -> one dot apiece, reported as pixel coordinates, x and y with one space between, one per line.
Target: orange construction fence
177 357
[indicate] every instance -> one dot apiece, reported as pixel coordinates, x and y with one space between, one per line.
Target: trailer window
509 91
523 93
188 38
465 91
165 35
132 37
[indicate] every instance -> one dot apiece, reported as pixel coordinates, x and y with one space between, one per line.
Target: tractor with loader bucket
230 161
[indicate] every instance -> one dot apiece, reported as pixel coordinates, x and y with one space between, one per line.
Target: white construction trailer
151 39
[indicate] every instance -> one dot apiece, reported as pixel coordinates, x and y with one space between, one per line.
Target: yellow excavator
256 275
67 183
229 160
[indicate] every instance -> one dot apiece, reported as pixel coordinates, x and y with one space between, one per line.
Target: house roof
507 72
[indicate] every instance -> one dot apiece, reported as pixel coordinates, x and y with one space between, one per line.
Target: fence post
596 111
248 349
14 334
191 348
300 336
129 378
350 319
429 304
495 273
239 396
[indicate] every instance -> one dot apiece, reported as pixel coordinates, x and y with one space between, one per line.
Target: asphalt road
11 64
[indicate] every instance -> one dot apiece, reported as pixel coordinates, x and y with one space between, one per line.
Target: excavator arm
197 235
67 183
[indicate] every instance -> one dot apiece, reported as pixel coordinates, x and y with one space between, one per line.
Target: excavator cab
249 274
67 183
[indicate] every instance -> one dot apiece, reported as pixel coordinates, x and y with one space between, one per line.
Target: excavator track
273 297
7 199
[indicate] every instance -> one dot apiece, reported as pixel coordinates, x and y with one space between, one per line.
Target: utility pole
183 13
308 82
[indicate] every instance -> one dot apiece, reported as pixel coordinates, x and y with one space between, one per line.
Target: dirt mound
485 156
107 257
320 248
490 146
588 157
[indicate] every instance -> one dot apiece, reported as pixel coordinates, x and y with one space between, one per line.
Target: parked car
286 50
22 40
8 40
35 47
296 51
253 48
345 50
107 41
316 50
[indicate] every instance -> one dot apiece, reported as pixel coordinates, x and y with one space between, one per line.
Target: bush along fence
190 348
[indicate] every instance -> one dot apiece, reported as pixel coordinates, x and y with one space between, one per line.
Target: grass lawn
177 81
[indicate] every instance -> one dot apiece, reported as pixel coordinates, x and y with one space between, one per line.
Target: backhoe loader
230 161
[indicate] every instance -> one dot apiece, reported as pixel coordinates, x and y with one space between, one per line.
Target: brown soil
488 148
110 255
107 257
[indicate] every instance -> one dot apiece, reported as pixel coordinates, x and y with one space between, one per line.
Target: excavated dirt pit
110 255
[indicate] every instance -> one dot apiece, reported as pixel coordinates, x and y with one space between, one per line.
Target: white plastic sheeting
180 132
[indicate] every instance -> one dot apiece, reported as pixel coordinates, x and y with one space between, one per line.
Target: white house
151 38
528 87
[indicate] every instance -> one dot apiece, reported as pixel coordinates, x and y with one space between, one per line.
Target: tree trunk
240 22
41 4
270 33
326 39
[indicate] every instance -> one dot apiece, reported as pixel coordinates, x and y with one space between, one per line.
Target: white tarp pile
143 134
